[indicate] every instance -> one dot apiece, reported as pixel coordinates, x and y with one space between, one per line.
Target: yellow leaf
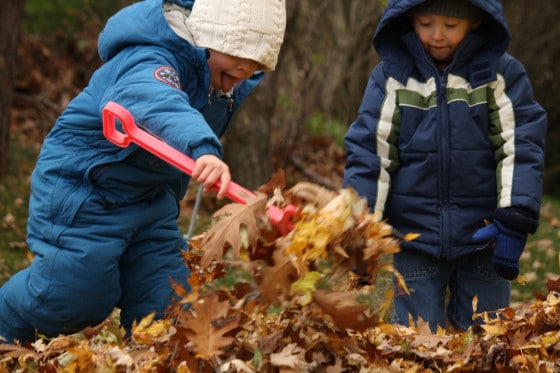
475 303
550 339
494 329
521 279
149 331
401 282
411 236
553 298
305 287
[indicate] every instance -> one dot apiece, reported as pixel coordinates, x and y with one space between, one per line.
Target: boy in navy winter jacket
103 219
448 138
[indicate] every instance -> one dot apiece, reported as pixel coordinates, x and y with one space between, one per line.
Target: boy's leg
72 282
12 326
475 276
427 278
152 259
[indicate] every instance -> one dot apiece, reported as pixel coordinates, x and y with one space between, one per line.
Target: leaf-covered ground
266 302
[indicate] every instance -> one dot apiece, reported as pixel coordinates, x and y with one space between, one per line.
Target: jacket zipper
444 163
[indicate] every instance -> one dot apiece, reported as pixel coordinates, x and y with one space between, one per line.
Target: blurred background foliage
63 18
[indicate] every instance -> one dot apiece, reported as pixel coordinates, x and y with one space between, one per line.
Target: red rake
280 218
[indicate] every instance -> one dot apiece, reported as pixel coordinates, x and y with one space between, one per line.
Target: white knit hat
252 29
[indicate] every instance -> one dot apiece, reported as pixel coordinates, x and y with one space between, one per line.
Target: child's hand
509 245
210 169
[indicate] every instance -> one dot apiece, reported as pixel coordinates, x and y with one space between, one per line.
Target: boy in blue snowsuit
103 219
449 137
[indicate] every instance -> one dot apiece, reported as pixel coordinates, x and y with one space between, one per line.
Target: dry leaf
308 193
207 326
345 310
150 331
226 230
291 356
277 279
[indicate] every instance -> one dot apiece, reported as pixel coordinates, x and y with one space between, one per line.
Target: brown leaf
427 339
344 309
309 193
553 284
277 181
269 342
277 279
16 351
207 326
226 230
291 356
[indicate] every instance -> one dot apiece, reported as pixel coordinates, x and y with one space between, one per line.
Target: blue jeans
429 279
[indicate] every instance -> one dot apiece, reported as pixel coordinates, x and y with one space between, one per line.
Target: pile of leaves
262 301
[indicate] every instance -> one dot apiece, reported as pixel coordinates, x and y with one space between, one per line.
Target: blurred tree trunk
10 16
248 149
322 70
535 31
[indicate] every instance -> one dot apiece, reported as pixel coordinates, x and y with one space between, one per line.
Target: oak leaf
427 339
208 325
226 230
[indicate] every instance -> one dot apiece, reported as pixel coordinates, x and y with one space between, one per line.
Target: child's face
226 70
441 35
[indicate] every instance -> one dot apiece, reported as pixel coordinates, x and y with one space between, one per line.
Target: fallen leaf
207 325
291 356
227 229
345 310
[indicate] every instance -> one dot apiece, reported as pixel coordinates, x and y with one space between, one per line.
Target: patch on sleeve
168 75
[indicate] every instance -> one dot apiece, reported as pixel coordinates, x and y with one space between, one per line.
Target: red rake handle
132 133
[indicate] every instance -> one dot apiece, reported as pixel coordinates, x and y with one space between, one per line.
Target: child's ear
475 24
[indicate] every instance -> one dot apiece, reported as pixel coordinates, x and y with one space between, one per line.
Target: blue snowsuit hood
128 28
439 152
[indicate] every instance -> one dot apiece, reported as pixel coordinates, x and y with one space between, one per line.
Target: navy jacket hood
491 39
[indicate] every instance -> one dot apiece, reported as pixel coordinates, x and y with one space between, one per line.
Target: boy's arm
163 96
518 130
371 143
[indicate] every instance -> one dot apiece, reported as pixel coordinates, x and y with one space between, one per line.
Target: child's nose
437 34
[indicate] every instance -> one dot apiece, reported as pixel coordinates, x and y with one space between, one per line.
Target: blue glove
509 245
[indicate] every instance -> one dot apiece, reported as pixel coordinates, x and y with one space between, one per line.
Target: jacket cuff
516 219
